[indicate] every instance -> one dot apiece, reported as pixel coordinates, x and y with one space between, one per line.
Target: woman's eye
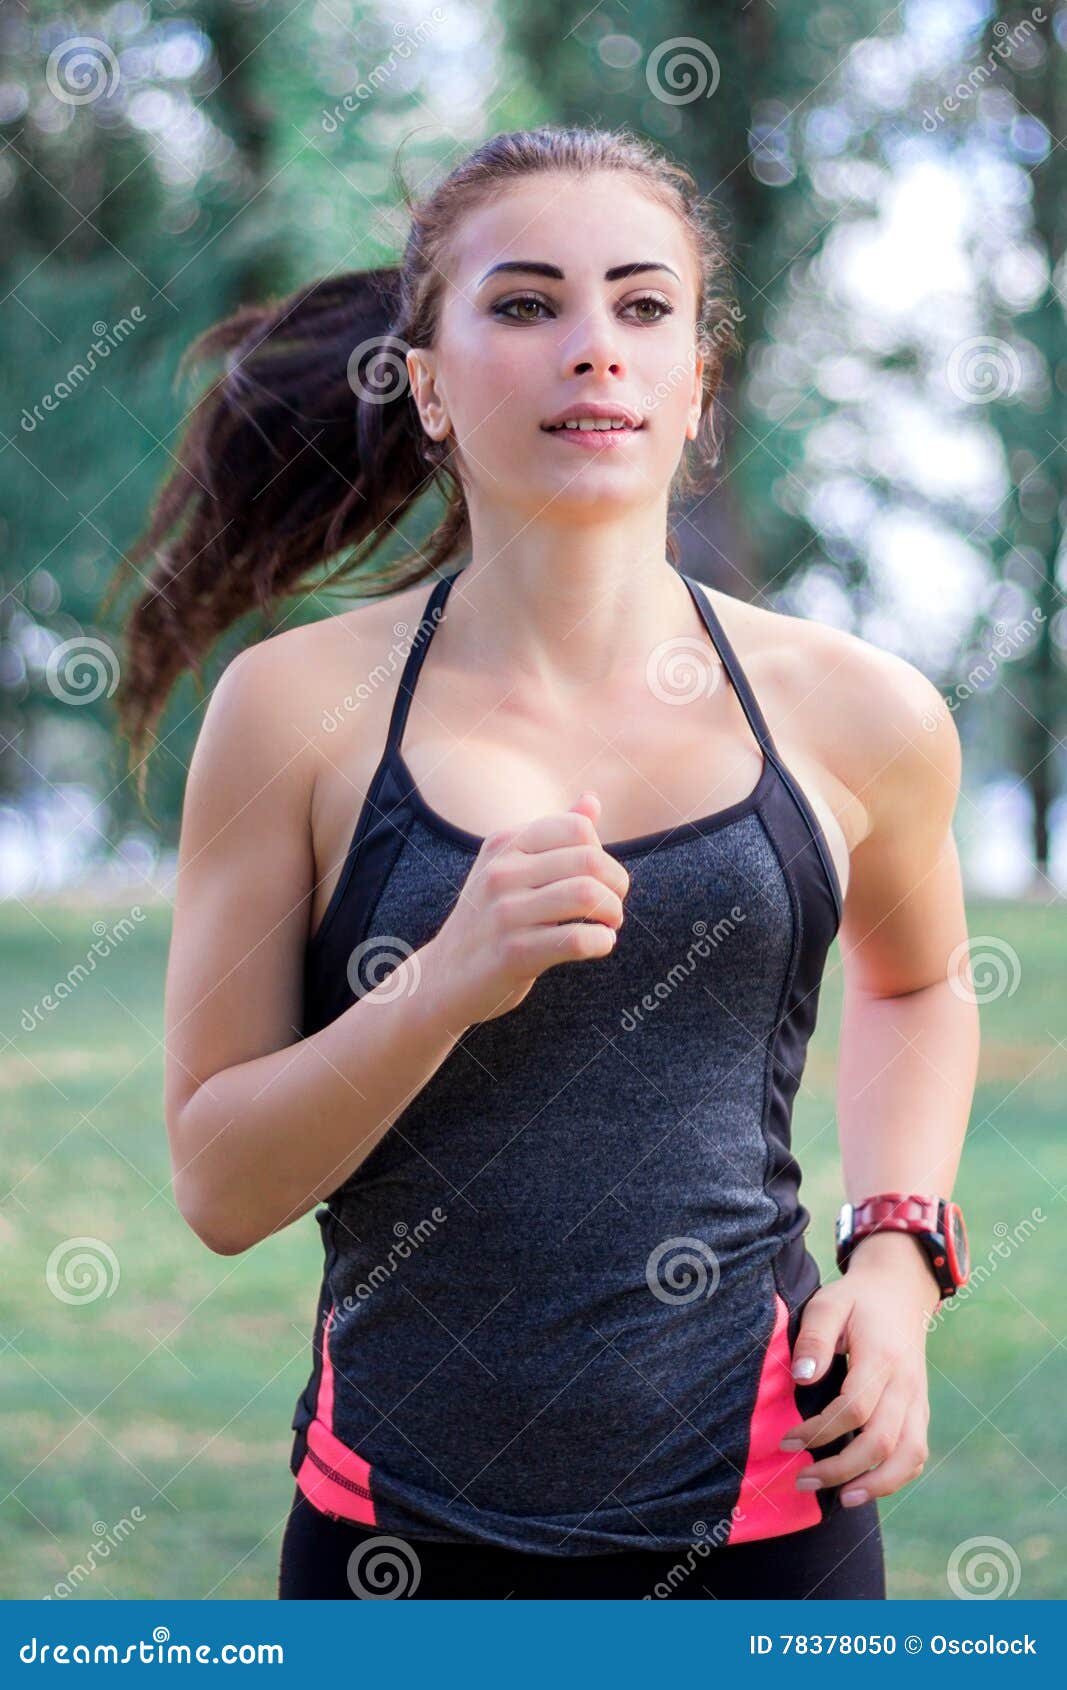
663 307
503 309
522 308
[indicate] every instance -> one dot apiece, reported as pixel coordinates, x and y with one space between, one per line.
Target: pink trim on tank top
768 1502
333 1477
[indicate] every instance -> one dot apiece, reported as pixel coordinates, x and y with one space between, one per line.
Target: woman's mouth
593 432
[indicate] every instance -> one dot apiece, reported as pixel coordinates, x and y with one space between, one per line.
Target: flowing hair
309 443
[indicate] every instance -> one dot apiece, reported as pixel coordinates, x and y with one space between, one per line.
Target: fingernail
807 1481
791 1443
804 1367
851 1496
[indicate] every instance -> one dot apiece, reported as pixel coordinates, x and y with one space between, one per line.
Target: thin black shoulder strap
420 645
758 724
732 664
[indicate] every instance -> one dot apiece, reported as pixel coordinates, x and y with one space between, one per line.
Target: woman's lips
592 439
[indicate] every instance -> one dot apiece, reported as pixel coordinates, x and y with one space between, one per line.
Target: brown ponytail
310 444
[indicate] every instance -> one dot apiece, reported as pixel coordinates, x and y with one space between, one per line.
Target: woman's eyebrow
555 274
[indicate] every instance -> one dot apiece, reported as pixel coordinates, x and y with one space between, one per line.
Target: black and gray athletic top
560 1295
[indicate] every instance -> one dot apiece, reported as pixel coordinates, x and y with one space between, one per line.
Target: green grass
153 1422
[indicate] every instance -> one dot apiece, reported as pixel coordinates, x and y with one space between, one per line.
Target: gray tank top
560 1296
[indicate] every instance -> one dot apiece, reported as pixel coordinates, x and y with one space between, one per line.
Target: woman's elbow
216 1231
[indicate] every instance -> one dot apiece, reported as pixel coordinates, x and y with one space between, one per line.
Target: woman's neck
575 607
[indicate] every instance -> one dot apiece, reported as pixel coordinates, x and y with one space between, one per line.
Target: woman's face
562 327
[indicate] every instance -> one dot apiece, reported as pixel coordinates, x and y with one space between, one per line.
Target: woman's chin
593 494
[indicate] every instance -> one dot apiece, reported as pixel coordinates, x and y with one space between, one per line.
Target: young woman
503 905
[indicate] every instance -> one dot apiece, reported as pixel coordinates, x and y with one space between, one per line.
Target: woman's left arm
907 1067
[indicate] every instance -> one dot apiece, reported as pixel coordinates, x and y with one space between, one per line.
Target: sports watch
936 1223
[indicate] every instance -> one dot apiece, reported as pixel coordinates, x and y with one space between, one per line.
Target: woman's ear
422 374
696 398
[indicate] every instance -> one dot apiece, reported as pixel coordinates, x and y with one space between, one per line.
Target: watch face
957 1242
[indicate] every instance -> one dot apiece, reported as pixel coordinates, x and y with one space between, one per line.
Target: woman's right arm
263 1123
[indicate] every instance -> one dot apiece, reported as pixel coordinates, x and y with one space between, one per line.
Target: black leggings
326 1558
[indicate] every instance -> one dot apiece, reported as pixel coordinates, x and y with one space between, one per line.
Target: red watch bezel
960 1274
929 1219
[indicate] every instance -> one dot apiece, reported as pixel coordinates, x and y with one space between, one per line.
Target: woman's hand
536 896
878 1313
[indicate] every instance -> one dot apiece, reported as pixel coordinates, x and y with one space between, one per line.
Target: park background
892 186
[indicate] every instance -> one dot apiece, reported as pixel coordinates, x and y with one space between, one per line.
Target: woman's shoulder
796 646
303 672
274 711
333 638
871 717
